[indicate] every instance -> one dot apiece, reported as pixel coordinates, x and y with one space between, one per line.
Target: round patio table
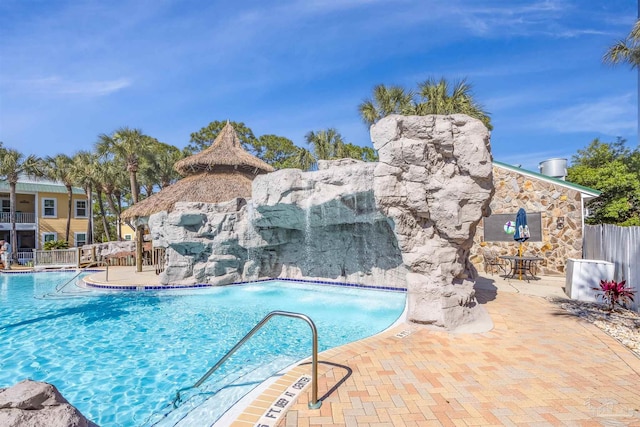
522 267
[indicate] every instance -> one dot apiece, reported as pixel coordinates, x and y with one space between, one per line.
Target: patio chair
492 262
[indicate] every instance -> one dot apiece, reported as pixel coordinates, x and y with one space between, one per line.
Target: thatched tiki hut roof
220 173
226 153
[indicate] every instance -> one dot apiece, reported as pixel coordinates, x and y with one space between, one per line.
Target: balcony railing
21 217
25 258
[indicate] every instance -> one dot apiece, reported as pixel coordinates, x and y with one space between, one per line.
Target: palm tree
158 170
60 169
627 50
303 159
12 165
327 144
437 99
100 177
366 154
128 146
385 101
84 170
110 179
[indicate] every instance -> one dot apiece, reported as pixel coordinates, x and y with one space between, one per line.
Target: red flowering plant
615 293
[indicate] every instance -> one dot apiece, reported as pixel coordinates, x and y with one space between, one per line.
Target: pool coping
92 283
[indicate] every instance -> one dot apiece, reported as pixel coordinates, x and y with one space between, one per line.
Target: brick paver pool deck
537 366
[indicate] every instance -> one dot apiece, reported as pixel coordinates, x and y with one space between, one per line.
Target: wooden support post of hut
139 238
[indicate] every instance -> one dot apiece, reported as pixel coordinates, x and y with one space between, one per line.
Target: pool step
203 406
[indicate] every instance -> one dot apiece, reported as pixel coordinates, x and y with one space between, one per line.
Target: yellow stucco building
127 232
41 215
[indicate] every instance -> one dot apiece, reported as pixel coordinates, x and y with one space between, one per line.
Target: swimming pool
119 357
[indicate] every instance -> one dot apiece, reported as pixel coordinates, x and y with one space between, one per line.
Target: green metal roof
586 190
37 187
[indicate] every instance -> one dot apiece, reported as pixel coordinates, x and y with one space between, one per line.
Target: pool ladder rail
59 288
314 403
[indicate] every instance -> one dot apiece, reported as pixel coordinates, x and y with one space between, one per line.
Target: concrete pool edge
95 282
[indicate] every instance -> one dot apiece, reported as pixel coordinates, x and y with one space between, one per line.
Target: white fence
56 258
619 245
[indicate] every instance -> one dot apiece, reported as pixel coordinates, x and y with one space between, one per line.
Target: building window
49 208
81 208
49 237
127 237
81 239
5 208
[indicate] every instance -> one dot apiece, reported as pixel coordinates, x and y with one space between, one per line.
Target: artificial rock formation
406 221
434 182
38 404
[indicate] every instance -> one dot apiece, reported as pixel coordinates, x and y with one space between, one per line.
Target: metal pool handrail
91 264
315 403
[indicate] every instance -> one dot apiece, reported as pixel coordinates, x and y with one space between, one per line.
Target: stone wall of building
557 205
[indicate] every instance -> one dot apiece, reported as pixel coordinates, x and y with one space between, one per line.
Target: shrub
56 244
615 293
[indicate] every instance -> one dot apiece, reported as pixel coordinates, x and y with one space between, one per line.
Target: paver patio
537 366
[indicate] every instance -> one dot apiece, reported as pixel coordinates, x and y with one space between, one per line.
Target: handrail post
314 403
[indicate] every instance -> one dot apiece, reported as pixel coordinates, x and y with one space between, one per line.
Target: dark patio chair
492 262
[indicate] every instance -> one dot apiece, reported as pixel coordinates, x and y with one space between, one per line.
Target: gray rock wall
406 221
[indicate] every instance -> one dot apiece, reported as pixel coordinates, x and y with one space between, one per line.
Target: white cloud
531 160
616 115
59 86
545 17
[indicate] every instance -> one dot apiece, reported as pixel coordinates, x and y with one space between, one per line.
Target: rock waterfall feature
407 221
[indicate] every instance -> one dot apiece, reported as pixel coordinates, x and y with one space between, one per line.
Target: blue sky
71 70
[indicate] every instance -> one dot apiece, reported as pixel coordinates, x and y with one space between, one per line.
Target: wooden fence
159 256
619 245
78 257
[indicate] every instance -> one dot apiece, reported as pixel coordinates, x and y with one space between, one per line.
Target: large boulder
38 404
194 235
434 182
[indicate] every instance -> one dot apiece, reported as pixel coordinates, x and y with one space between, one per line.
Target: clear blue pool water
119 357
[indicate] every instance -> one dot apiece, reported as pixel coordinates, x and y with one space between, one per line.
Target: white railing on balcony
25 258
56 258
21 217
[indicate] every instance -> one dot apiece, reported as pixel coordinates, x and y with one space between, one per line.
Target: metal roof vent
555 168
